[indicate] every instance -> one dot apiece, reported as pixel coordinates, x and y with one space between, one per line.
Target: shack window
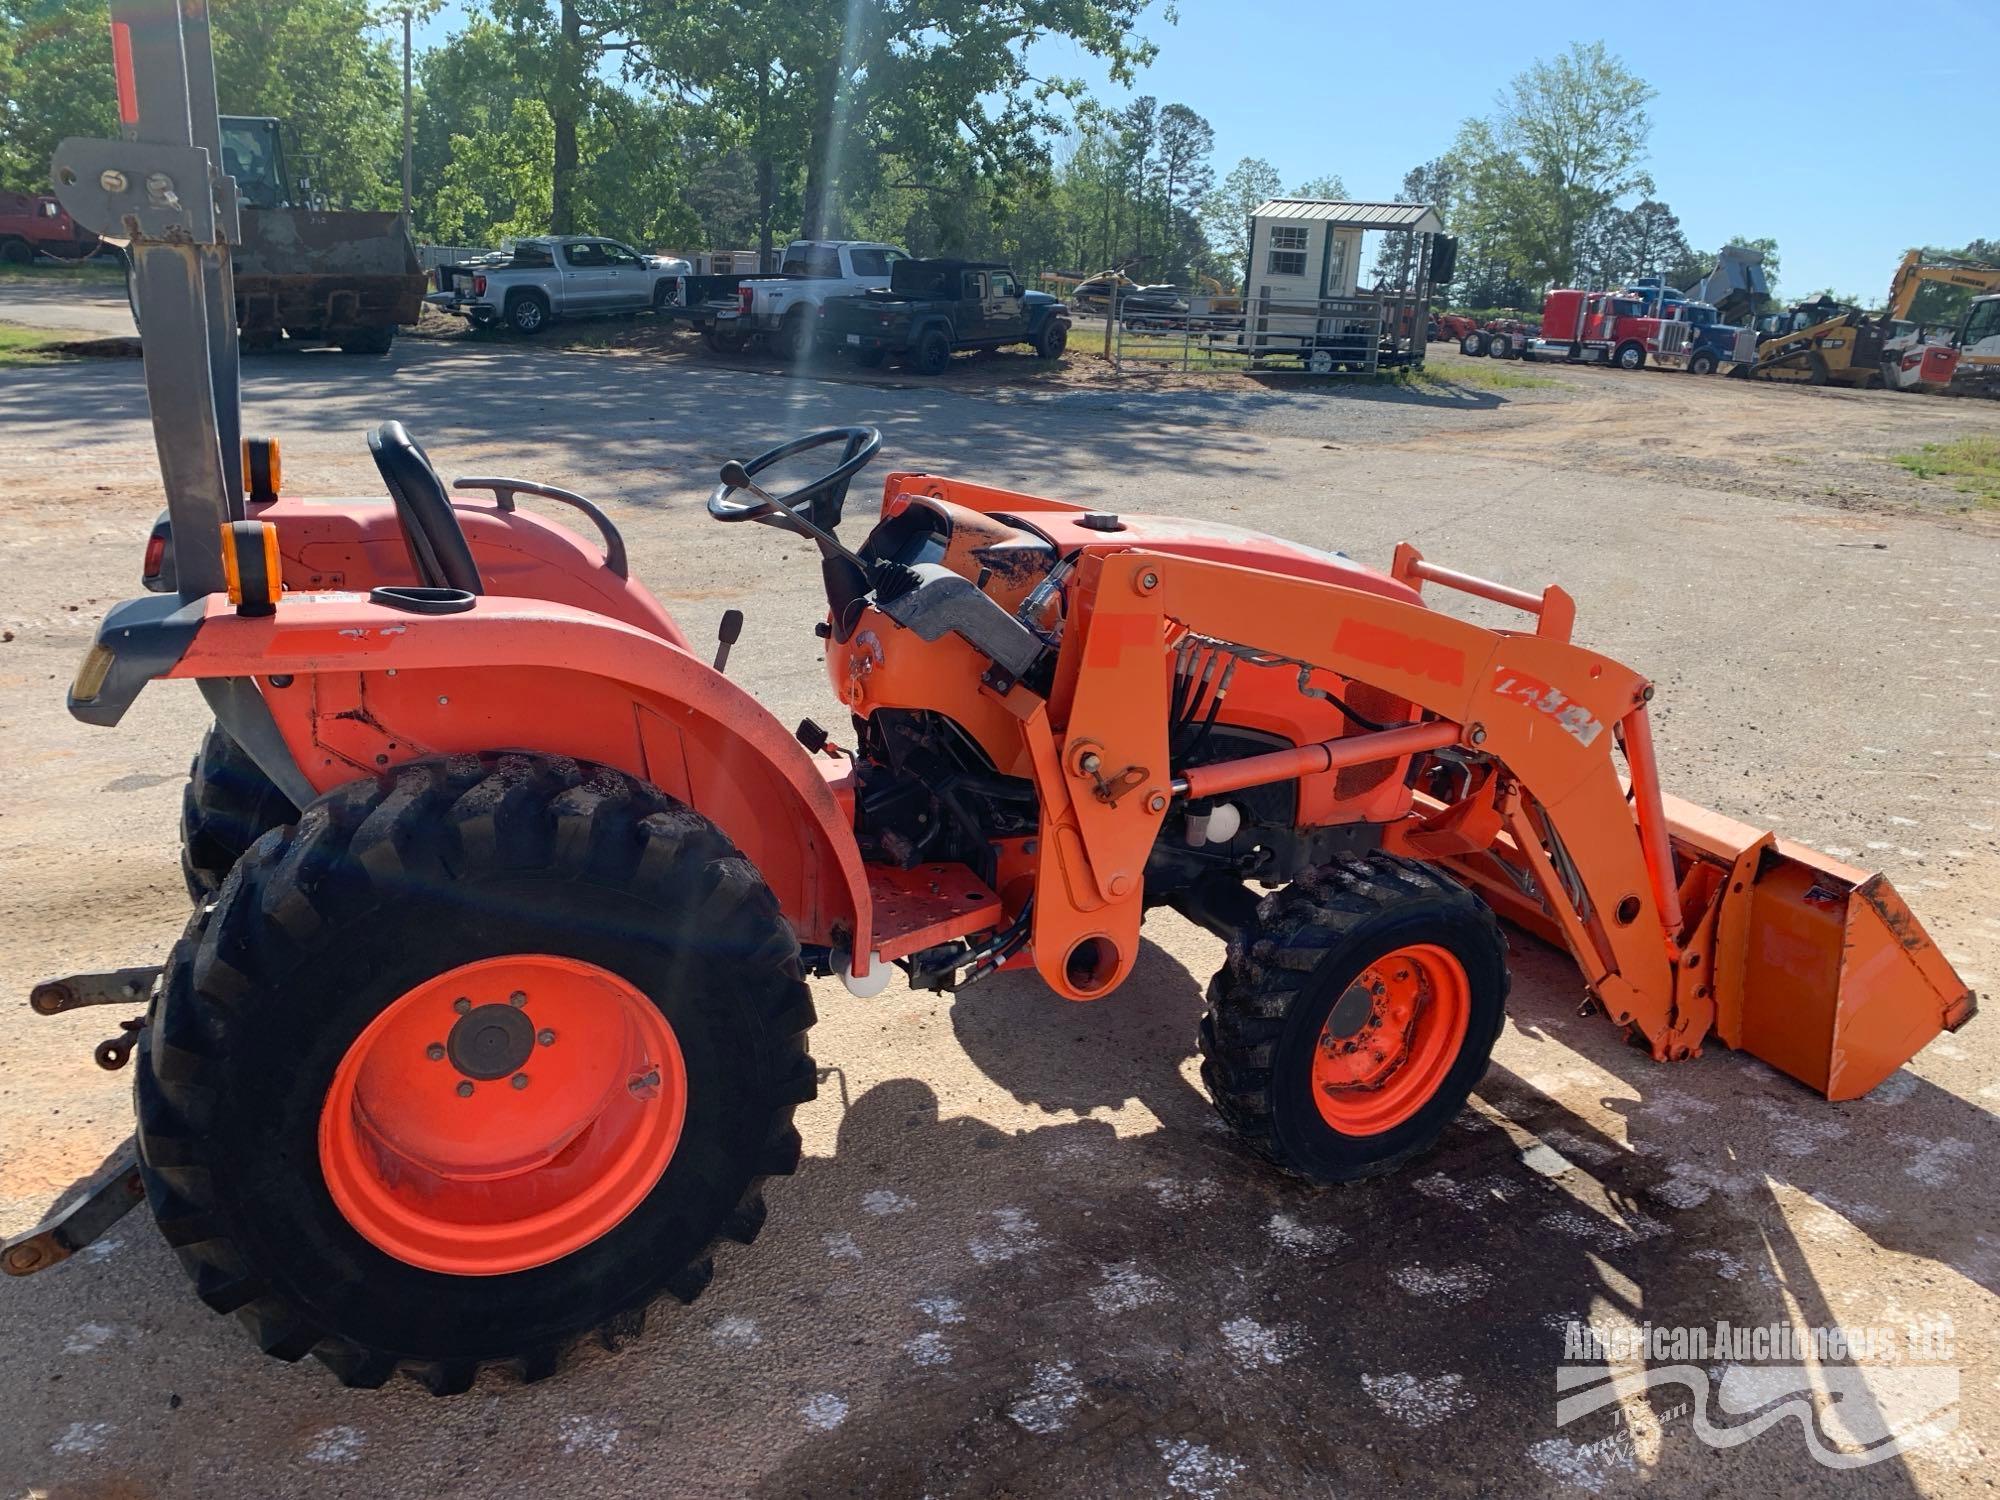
1287 255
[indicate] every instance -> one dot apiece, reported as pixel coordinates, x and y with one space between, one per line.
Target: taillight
156 556
479 286
745 295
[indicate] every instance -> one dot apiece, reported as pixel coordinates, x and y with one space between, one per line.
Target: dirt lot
1021 1255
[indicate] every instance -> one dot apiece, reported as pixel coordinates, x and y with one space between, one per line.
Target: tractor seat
438 549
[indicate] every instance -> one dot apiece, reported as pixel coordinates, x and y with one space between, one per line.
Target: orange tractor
498 1022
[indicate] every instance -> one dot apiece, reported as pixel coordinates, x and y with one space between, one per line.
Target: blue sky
1369 90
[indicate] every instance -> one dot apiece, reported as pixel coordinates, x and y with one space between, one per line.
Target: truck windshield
250 155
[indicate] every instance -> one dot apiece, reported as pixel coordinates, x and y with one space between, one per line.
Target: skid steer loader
496 1029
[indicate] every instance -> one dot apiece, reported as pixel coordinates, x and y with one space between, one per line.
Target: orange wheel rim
1390 1039
503 1115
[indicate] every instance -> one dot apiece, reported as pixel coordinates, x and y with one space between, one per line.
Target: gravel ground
1021 1255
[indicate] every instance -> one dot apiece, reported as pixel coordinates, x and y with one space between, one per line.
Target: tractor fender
356 688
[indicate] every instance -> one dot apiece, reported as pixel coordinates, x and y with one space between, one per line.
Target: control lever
725 636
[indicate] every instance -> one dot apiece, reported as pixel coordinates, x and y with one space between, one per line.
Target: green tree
1327 186
1184 176
1566 142
1226 211
1432 185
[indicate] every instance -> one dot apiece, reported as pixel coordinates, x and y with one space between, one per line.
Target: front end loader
491 1018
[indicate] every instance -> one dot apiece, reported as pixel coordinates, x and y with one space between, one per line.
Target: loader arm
1551 831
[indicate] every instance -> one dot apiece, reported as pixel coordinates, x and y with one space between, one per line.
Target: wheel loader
492 1015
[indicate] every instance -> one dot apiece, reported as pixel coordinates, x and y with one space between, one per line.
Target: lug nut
546 1038
518 999
465 1089
520 1080
461 1005
435 1052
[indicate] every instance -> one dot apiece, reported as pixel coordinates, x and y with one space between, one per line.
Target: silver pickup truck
782 309
557 276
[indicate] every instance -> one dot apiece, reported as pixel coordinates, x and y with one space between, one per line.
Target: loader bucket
1818 968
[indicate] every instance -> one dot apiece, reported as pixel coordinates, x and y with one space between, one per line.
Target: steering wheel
819 499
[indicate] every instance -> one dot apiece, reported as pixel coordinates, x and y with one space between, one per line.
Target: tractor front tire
228 804
478 1057
1353 1017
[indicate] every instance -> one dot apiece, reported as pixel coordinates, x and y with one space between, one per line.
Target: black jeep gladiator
933 307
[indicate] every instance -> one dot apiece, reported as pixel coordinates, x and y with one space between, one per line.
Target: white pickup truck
783 308
557 276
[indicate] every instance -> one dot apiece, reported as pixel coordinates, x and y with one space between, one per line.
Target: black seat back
438 549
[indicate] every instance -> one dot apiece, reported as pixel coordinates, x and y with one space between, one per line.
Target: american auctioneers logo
1860 1395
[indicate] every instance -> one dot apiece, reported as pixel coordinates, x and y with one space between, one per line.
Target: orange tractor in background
499 1020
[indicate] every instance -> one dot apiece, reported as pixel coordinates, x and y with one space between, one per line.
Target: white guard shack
1302 287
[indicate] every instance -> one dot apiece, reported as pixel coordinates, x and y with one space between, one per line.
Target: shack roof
1418 216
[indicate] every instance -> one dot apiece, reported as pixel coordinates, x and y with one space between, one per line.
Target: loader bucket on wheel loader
1818 968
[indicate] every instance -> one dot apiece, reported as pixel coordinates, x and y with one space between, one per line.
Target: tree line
739 123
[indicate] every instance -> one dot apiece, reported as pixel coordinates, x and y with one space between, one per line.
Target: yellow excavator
1975 329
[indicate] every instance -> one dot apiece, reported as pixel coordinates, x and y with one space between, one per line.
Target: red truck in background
1597 328
29 222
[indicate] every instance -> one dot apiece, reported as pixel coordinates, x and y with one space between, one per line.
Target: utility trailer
494 1030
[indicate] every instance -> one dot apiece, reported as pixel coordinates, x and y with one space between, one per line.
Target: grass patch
1971 464
1487 375
31 346
68 271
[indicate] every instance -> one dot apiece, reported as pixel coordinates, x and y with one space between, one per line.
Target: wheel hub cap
503 1115
491 1042
1390 1039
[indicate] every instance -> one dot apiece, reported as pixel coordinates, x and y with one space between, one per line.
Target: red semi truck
1598 328
31 222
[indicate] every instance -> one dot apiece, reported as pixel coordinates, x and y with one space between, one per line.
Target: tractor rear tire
281 1040
1366 957
228 804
